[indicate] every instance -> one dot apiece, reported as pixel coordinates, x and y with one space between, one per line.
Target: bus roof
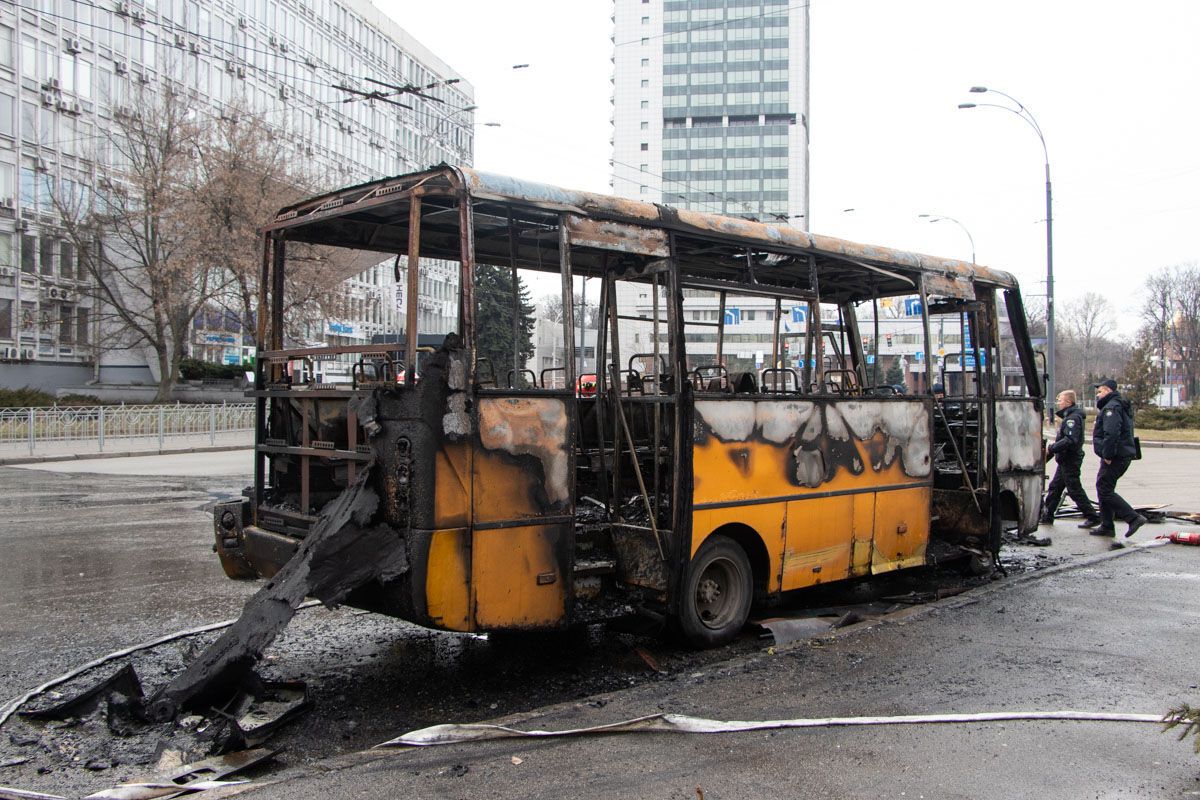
374 216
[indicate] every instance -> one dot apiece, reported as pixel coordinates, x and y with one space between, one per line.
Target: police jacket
1068 445
1112 434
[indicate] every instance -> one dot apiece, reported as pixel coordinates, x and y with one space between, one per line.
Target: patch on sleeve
1108 413
1070 423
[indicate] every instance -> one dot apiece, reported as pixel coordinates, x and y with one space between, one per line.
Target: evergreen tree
494 323
1140 378
894 376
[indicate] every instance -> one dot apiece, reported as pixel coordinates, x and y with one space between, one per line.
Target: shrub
1186 718
193 369
80 400
25 396
1168 418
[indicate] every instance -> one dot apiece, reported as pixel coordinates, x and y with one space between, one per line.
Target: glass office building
710 106
710 112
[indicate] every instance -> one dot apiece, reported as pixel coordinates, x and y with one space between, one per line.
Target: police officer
1067 451
1112 439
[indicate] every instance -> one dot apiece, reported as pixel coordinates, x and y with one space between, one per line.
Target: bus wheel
716 594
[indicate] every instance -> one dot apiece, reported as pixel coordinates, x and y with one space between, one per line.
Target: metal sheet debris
342 551
150 791
277 705
9 793
123 682
786 631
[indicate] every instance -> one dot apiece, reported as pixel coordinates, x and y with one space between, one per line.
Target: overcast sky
1113 85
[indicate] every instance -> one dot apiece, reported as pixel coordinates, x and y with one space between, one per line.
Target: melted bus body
679 477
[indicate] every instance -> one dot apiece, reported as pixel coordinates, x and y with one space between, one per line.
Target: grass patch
1178 435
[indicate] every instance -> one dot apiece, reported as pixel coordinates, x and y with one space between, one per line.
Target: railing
58 427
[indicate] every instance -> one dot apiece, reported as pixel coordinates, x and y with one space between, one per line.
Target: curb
8 462
1175 445
1050 434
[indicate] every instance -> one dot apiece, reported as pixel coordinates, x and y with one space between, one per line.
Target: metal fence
57 427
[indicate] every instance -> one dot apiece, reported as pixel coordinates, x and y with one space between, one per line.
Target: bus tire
717 592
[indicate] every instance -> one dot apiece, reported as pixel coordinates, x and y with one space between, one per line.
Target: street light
1024 113
944 218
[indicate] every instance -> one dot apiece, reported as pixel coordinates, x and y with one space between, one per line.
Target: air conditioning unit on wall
11 352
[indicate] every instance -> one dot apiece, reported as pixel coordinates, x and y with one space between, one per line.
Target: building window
645 83
6 319
645 62
645 104
6 46
645 126
7 123
645 146
47 256
6 250
29 122
65 325
645 21
645 167
66 259
28 254
81 325
28 187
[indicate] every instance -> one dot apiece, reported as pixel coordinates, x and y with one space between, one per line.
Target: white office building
66 66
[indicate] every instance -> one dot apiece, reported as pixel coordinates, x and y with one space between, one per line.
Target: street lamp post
1024 113
944 218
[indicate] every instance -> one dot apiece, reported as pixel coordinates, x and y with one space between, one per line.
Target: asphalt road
103 554
1118 636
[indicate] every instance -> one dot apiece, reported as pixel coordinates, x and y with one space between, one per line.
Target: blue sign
733 316
799 313
919 355
969 359
870 359
912 307
341 327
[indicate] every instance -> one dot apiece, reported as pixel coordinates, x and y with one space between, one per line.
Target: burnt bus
690 475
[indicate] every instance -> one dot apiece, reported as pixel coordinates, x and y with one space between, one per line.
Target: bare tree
551 308
1088 322
1172 311
244 177
136 234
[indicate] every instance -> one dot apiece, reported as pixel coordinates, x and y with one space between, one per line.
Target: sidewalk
120 447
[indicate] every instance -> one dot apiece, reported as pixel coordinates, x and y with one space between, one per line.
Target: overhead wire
171 27
718 202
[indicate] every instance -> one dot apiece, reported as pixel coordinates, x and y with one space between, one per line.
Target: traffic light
888 337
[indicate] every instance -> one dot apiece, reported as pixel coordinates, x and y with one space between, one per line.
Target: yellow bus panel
516 577
447 579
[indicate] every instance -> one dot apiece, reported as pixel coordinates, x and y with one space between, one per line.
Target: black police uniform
1068 455
1112 440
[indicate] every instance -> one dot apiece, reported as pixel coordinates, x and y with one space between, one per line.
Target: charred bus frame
702 487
